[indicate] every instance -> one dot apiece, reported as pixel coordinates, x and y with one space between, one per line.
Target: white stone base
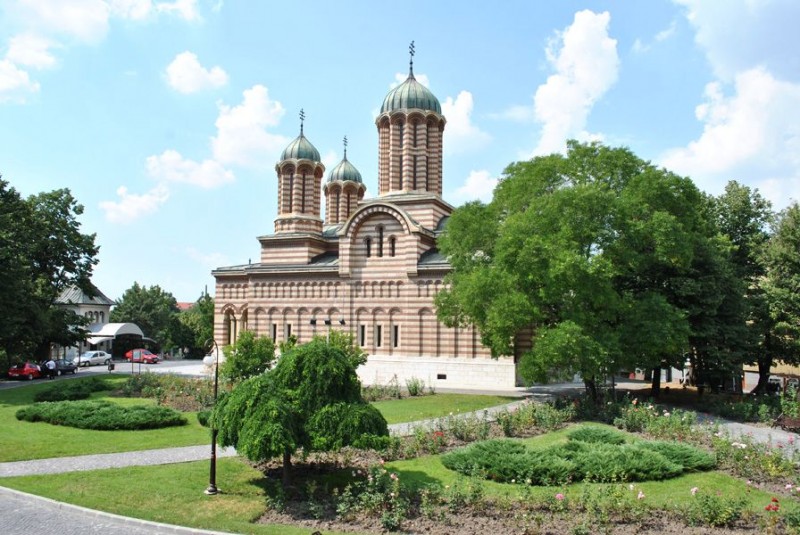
444 372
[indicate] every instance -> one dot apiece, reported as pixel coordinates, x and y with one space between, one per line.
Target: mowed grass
434 406
172 494
25 440
21 441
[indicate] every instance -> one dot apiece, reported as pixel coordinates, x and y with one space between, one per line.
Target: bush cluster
72 390
657 422
533 415
100 415
171 390
592 454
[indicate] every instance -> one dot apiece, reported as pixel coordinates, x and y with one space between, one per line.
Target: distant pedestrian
51 368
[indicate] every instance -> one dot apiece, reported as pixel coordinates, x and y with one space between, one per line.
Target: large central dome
411 95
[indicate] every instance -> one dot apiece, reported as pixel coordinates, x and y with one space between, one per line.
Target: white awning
101 333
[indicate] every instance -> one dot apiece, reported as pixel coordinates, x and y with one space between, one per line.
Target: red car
142 355
28 371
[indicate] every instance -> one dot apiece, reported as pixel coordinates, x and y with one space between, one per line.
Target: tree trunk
591 389
655 384
764 367
287 467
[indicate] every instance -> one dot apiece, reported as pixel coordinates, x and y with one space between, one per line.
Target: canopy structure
101 333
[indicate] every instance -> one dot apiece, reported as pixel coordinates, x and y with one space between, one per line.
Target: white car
92 358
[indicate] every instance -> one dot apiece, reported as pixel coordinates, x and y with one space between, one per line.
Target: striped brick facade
372 270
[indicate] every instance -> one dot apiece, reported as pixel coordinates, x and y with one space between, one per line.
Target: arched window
368 243
380 241
392 246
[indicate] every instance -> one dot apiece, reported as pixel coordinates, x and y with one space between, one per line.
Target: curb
128 521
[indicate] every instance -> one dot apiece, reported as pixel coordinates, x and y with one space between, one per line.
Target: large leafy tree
311 399
43 251
781 285
585 252
198 325
251 355
155 311
745 218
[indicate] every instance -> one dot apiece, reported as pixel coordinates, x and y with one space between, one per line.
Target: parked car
142 355
64 367
92 358
28 371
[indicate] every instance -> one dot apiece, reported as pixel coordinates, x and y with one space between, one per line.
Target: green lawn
171 493
435 406
25 440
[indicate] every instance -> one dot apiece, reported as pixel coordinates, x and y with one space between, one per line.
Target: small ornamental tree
310 400
250 355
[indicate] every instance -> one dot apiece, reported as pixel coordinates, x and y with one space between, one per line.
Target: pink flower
559 497
788 486
640 496
393 476
694 490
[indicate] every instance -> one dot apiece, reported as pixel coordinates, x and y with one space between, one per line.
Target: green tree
251 355
155 311
198 323
311 399
577 252
745 217
42 251
782 288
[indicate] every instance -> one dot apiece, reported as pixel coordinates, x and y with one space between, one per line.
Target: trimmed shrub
498 460
691 458
203 417
100 415
72 390
597 435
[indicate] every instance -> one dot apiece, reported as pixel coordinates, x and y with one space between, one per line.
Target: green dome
300 149
345 171
411 95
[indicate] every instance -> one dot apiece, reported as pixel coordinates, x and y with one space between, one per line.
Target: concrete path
26 514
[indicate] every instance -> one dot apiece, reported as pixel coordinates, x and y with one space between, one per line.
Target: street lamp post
212 478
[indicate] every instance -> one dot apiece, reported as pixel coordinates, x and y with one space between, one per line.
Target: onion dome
411 94
345 171
301 148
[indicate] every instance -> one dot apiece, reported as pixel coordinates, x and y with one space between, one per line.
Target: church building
369 267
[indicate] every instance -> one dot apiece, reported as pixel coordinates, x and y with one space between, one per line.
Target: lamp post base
212 490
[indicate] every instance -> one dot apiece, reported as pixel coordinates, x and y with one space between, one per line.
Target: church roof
300 149
73 295
345 171
411 95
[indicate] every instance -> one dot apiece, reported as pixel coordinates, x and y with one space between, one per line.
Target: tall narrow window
303 195
291 191
362 335
378 335
380 241
395 335
392 246
274 331
368 242
288 330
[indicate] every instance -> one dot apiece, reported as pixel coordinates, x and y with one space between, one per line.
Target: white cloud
186 75
461 135
131 206
242 137
640 47
586 63
84 20
737 35
400 77
15 84
329 159
30 50
752 136
478 186
208 260
517 114
185 9
131 9
173 167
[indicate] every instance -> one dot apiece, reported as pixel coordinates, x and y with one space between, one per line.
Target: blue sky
165 118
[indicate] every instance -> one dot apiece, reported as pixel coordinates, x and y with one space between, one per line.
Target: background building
371 267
